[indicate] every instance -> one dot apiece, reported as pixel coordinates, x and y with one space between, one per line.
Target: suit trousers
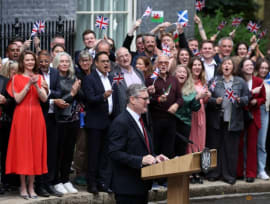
99 165
164 135
131 199
250 145
52 152
226 142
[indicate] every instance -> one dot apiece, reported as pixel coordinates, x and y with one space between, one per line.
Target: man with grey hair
85 61
130 148
225 45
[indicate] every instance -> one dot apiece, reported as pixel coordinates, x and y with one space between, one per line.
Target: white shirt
107 86
209 69
136 117
249 83
47 79
131 77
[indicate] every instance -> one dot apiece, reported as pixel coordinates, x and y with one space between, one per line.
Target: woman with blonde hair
9 69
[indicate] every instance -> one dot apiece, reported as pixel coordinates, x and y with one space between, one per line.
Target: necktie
145 135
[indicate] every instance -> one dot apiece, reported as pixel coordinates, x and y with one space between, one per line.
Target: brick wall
32 10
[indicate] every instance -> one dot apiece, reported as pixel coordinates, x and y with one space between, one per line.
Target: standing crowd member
27 147
226 120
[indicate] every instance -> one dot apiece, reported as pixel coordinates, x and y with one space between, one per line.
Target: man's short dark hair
147 35
100 53
207 41
88 31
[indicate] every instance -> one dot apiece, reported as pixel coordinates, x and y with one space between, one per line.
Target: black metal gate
65 28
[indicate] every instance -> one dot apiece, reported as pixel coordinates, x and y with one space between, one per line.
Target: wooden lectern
178 170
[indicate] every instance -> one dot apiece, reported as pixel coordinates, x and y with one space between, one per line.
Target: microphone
187 141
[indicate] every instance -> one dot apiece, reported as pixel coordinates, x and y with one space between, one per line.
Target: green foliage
230 7
210 25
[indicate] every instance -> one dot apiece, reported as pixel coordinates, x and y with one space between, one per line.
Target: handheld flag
199 5
38 27
262 34
167 92
155 74
157 16
221 25
175 36
166 50
253 27
213 85
102 22
229 94
196 52
236 22
147 12
183 18
118 78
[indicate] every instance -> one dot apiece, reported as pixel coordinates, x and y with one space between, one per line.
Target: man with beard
149 43
45 183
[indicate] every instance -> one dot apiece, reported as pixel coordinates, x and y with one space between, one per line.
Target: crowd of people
59 114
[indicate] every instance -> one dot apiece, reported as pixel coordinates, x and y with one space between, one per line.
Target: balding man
163 104
131 75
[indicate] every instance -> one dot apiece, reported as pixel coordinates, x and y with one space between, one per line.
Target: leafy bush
211 23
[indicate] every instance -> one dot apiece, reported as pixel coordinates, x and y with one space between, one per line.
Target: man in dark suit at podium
130 148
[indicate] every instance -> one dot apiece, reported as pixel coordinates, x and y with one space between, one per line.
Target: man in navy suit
100 108
130 148
44 183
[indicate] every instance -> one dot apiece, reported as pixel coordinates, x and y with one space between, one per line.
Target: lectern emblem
205 160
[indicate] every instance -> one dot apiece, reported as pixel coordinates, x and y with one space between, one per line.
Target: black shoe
42 192
192 180
52 191
212 179
250 180
198 179
92 189
2 190
230 181
103 188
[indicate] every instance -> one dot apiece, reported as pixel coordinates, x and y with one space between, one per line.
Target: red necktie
145 135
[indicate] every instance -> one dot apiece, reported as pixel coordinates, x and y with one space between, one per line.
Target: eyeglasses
144 98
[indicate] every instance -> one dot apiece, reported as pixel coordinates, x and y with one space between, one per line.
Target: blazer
122 87
214 111
127 147
261 97
97 115
55 89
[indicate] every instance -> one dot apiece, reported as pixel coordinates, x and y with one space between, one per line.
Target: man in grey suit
130 74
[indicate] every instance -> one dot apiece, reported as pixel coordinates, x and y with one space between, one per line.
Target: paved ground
209 192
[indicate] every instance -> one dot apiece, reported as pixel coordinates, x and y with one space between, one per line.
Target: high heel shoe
24 196
33 196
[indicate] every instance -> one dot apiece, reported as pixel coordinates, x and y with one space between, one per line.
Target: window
121 13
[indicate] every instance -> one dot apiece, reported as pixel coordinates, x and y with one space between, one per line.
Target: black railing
65 28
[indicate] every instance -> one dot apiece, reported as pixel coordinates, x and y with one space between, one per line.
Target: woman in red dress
27 148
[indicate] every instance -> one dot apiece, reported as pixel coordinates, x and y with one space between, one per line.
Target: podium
177 170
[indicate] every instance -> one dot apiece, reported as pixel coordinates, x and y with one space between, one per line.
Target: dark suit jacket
97 115
55 89
122 87
126 149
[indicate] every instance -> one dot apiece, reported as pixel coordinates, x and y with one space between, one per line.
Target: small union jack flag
213 85
200 4
196 52
262 34
38 27
221 25
155 74
166 50
102 22
147 11
236 21
229 94
253 27
118 78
